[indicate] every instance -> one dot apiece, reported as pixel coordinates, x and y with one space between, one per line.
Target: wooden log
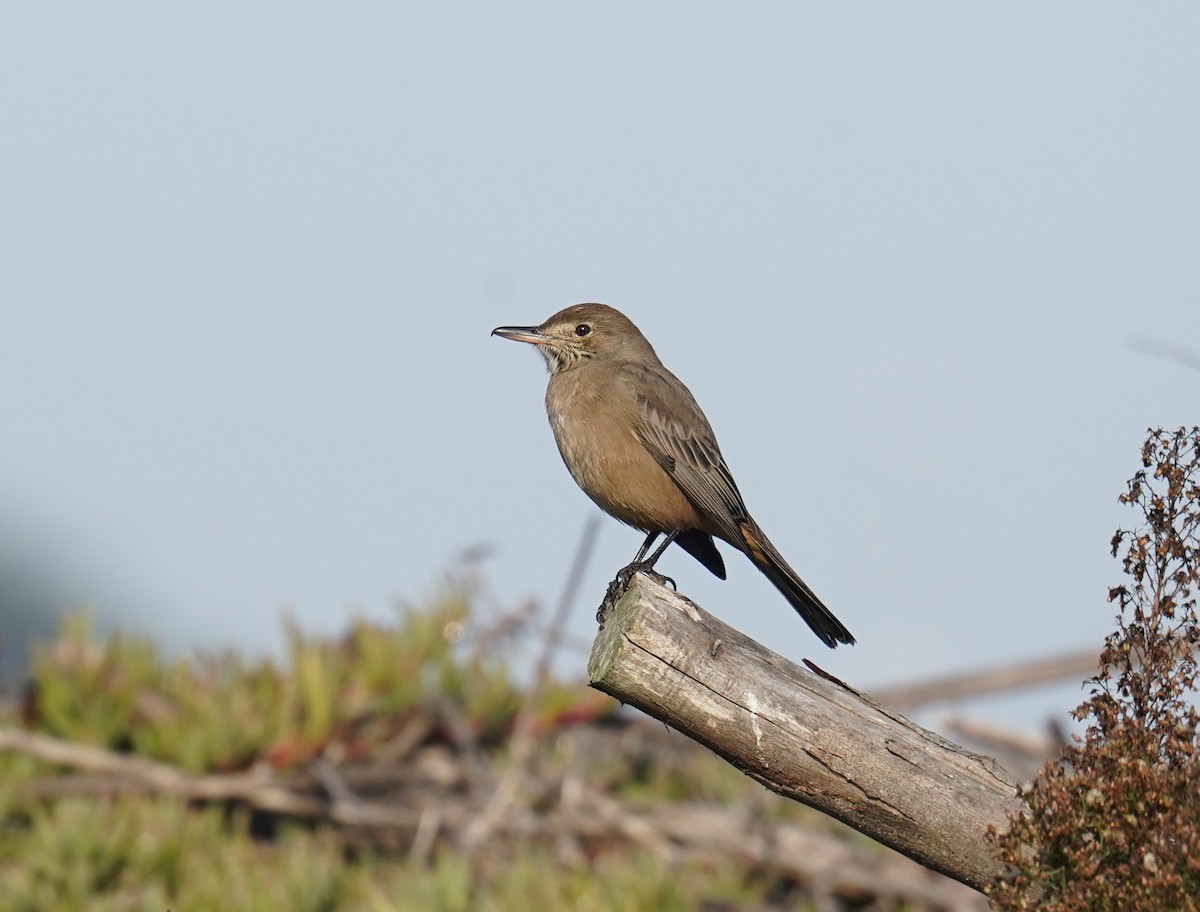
802 734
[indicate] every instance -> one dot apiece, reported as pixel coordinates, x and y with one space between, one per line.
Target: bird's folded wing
672 428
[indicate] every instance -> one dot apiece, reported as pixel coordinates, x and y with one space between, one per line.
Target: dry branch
523 739
1074 666
569 811
260 789
808 737
1023 752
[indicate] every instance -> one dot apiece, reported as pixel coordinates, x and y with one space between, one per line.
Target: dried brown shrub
1114 824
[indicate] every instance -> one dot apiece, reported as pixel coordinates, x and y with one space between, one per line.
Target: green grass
62 852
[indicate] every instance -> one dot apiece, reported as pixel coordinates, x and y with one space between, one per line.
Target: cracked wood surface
803 733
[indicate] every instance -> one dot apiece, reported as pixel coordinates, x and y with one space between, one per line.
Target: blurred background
931 272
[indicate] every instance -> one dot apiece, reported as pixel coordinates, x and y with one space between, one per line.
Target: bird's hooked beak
530 334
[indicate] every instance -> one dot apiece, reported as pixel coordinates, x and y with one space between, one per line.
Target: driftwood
802 733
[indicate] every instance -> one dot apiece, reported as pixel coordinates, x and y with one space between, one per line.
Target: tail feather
700 546
760 550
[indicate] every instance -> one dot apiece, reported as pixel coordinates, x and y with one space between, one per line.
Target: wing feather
675 432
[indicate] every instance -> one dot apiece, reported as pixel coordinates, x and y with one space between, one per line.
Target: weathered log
802 734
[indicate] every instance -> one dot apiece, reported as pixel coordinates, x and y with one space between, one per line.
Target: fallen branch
807 736
571 814
258 789
1015 676
1031 750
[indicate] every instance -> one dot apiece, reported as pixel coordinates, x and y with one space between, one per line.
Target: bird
635 440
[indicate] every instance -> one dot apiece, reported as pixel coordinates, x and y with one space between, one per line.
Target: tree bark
802 734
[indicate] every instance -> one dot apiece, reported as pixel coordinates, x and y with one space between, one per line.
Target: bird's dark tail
760 550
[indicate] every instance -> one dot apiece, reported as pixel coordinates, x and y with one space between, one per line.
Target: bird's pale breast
594 419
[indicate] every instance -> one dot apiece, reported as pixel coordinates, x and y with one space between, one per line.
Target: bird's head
580 334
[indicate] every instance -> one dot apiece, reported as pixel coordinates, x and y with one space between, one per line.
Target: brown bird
637 443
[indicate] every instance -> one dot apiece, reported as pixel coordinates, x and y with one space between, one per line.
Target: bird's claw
661 579
620 583
610 598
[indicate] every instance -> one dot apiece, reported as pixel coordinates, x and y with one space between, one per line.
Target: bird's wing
672 428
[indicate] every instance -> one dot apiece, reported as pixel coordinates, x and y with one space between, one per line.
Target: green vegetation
423 706
223 713
84 855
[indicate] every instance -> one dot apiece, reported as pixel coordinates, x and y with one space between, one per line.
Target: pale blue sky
251 254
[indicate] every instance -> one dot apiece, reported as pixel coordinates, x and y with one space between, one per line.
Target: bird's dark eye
582 329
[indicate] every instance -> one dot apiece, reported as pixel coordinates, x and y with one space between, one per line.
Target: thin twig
522 741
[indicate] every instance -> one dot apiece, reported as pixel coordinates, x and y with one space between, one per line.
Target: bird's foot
620 583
